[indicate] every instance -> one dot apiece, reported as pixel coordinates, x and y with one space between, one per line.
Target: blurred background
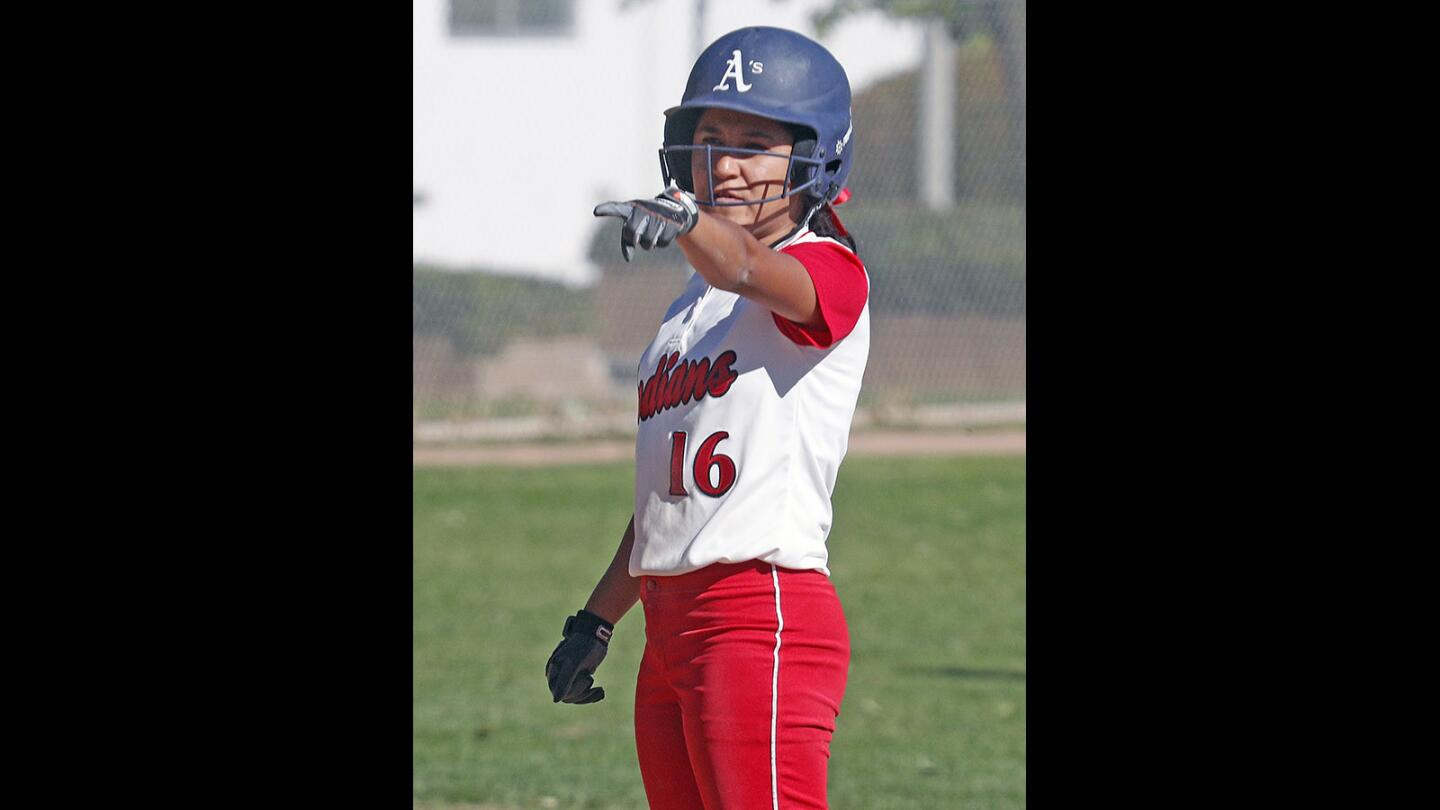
527 324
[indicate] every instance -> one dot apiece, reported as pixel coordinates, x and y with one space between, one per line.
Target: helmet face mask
775 74
676 160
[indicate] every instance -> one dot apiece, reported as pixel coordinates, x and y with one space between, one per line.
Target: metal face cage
795 164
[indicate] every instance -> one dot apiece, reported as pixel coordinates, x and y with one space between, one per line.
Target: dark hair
820 222
822 225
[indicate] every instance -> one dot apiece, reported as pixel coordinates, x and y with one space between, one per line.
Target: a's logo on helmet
732 71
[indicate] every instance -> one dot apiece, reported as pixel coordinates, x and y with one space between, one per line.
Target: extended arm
730 259
725 254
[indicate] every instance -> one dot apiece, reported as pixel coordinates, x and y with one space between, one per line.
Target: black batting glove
571 667
652 223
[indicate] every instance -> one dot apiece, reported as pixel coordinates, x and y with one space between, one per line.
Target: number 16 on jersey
712 472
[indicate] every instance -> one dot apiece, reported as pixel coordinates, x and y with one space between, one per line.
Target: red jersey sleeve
840 290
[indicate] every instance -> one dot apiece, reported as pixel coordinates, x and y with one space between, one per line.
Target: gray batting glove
652 223
571 668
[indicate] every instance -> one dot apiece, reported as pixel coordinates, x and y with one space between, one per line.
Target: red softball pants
739 687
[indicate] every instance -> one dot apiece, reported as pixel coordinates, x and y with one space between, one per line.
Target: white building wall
517 138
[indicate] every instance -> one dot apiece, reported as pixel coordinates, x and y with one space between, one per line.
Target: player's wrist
686 200
590 625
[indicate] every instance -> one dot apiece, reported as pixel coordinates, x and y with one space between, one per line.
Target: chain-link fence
938 209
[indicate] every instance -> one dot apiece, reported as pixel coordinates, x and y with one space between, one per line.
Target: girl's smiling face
745 178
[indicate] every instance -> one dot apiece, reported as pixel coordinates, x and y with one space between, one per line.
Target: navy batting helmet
776 74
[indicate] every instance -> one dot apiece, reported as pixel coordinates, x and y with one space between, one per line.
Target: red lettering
675 383
677 464
696 380
647 397
720 375
656 389
706 458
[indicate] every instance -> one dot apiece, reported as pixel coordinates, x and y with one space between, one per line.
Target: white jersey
741 434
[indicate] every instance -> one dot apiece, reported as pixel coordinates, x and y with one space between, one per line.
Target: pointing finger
613 209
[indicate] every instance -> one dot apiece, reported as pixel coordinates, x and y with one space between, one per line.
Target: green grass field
928 556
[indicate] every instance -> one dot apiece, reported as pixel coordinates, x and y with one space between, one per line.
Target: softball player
745 396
